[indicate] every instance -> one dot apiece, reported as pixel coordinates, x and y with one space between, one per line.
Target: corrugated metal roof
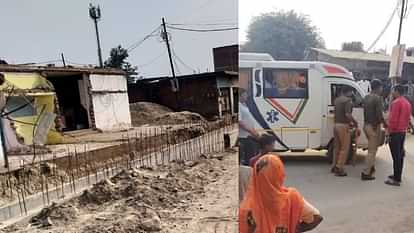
360 55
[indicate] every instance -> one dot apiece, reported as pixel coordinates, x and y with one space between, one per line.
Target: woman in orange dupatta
268 206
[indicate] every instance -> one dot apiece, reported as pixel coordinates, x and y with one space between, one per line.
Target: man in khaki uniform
373 117
342 137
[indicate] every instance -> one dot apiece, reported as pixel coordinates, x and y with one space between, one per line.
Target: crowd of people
267 206
396 126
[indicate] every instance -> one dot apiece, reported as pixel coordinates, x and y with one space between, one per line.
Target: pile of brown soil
179 118
61 214
144 112
150 113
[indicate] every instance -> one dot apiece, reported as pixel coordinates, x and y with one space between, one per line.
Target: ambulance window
356 96
285 83
245 75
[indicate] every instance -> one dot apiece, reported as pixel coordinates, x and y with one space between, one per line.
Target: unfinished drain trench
211 142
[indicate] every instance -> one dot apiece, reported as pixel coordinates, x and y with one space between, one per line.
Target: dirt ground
217 208
196 196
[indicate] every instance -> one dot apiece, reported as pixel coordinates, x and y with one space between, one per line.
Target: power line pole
95 15
63 60
174 82
401 22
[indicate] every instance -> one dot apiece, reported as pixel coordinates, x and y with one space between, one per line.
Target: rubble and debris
134 200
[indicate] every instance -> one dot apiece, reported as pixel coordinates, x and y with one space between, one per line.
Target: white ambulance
294 100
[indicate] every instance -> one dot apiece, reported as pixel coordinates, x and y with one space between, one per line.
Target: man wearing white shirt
247 134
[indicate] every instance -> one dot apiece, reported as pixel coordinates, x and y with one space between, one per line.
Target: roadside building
226 58
81 98
212 94
362 65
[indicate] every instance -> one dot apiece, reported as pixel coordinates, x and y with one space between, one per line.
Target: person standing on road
248 136
270 207
398 121
342 137
373 117
267 145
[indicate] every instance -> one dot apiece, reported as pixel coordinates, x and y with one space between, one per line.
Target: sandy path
216 210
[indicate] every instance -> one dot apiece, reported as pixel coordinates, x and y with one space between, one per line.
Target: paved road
351 205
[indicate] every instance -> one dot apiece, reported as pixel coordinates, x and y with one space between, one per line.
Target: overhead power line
385 27
138 43
150 62
182 62
203 24
203 30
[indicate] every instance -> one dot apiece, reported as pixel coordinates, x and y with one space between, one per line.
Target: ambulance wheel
330 153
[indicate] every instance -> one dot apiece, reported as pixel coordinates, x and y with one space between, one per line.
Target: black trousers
396 144
248 149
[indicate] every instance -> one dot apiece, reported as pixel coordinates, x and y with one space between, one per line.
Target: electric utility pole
174 81
398 51
95 15
401 21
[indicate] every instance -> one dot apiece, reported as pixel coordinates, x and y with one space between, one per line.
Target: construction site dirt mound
144 112
134 200
61 215
149 107
179 118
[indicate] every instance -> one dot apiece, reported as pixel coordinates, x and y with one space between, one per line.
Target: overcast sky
338 20
37 31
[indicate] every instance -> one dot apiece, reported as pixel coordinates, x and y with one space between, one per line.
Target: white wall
108 82
110 102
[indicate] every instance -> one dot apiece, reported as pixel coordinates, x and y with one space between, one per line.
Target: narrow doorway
75 116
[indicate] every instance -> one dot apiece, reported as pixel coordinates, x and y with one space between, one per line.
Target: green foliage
356 46
117 59
283 34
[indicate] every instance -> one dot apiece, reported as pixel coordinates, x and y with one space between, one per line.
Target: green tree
356 46
283 34
118 59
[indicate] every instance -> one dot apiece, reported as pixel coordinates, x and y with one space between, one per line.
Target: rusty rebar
24 202
47 191
20 203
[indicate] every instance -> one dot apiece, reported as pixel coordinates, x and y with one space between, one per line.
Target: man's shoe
373 170
340 173
392 182
391 177
367 177
334 169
